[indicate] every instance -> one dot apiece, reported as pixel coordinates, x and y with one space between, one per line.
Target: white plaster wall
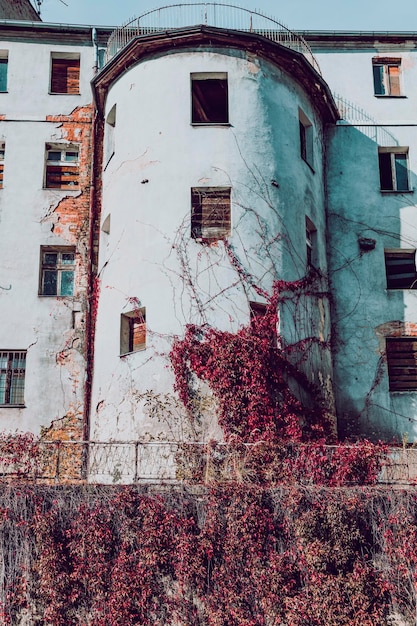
149 255
44 326
28 81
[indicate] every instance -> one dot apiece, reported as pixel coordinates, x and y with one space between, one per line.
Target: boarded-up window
65 74
393 169
210 213
209 98
386 73
402 363
62 167
12 377
133 331
400 267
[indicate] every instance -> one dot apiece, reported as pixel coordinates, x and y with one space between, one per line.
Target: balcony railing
226 16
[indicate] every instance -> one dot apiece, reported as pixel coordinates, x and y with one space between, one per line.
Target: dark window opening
65 75
12 377
393 170
257 310
210 213
210 100
133 331
57 271
400 267
402 363
306 138
311 244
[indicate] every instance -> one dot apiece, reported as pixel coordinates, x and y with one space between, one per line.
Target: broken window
311 243
4 64
393 169
12 377
402 363
2 153
210 213
133 331
65 73
209 98
62 166
306 138
400 267
386 76
57 271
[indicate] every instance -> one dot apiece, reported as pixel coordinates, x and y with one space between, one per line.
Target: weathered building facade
202 166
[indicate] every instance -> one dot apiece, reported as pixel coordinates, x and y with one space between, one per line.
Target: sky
357 15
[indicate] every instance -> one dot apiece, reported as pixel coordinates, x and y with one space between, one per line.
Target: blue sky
297 14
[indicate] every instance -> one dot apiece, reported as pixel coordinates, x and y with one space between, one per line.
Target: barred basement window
2 153
386 73
57 271
402 363
209 98
210 213
62 166
133 331
393 169
65 73
400 267
12 377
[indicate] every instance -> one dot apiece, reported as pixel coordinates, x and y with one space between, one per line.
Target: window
57 271
400 267
2 152
393 169
12 377
257 311
209 98
311 243
4 63
109 136
62 167
402 363
133 331
306 138
210 213
65 73
386 76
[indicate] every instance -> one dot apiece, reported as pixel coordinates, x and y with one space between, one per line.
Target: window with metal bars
65 73
209 98
62 166
57 271
402 363
12 377
133 331
393 169
210 213
386 72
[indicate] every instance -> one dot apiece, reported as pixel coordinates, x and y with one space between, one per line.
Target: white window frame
394 152
386 78
63 160
59 268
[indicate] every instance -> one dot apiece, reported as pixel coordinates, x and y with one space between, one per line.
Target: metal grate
12 377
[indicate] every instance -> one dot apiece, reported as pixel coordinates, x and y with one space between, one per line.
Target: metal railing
358 117
221 15
127 462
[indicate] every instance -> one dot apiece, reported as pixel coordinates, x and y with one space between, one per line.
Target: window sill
395 191
132 352
12 406
46 295
63 93
383 95
211 124
66 189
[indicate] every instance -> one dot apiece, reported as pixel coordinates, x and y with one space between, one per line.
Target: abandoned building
168 173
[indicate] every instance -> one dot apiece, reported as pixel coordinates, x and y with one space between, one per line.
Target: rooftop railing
221 15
